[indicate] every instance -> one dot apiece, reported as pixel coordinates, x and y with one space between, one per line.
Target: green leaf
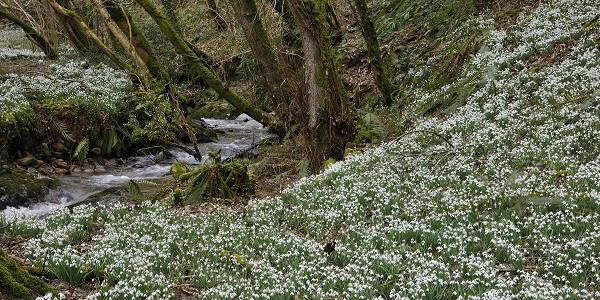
81 151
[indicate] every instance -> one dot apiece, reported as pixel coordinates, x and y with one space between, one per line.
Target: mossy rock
206 135
18 188
16 283
214 109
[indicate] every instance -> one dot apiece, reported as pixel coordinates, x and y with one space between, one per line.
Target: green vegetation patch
212 180
17 283
499 199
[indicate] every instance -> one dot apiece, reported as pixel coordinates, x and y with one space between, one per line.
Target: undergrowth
496 199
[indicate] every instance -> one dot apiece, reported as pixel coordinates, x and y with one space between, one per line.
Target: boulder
19 188
59 147
248 121
215 109
61 163
29 161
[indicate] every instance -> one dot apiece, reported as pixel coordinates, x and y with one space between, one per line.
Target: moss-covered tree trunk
335 27
122 40
32 34
269 66
77 37
213 10
127 25
90 35
171 11
198 68
369 33
329 123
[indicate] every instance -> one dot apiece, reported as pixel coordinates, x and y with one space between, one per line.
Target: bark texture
121 39
270 67
329 124
122 18
171 12
369 33
76 35
90 35
32 34
198 68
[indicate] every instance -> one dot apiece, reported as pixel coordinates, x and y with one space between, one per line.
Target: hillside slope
498 200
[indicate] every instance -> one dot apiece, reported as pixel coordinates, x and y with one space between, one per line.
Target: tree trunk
120 16
78 38
291 40
248 17
361 9
198 67
335 27
171 12
91 36
213 10
122 40
32 34
329 124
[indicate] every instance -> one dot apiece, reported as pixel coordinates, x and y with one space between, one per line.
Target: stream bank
105 181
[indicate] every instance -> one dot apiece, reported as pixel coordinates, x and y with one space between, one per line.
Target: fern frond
134 188
81 151
64 131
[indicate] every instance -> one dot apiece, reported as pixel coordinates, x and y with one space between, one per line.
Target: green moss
214 109
18 187
17 283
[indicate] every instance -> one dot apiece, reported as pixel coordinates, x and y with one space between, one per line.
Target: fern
303 168
111 142
134 188
63 129
81 151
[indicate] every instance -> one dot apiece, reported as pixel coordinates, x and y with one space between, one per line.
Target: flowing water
233 136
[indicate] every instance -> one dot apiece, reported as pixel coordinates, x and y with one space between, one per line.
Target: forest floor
491 192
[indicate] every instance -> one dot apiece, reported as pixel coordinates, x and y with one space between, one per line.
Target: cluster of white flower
12 102
14 45
19 224
51 296
10 53
499 200
94 88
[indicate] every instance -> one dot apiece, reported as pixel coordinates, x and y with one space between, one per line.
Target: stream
234 136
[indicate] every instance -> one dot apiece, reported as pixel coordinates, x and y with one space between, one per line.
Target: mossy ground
16 283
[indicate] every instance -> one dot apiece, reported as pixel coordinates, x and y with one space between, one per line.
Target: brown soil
24 67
